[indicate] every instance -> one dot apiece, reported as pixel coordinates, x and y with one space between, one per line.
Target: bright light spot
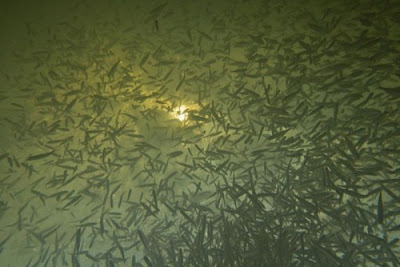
182 117
181 113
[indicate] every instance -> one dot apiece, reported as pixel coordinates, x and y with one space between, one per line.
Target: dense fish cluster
232 142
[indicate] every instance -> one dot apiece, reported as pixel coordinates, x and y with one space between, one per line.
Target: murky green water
230 133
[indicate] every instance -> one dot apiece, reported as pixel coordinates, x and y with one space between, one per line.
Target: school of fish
226 143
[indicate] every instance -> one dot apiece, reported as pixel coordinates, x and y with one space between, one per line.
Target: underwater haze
200 133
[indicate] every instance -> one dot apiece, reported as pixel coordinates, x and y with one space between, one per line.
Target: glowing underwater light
181 113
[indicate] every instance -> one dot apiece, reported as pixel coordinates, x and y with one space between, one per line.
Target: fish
102 223
393 92
39 156
352 148
208 37
187 217
156 25
174 154
77 247
144 60
75 261
143 239
182 80
148 262
70 105
112 193
111 72
75 200
3 242
155 199
379 212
